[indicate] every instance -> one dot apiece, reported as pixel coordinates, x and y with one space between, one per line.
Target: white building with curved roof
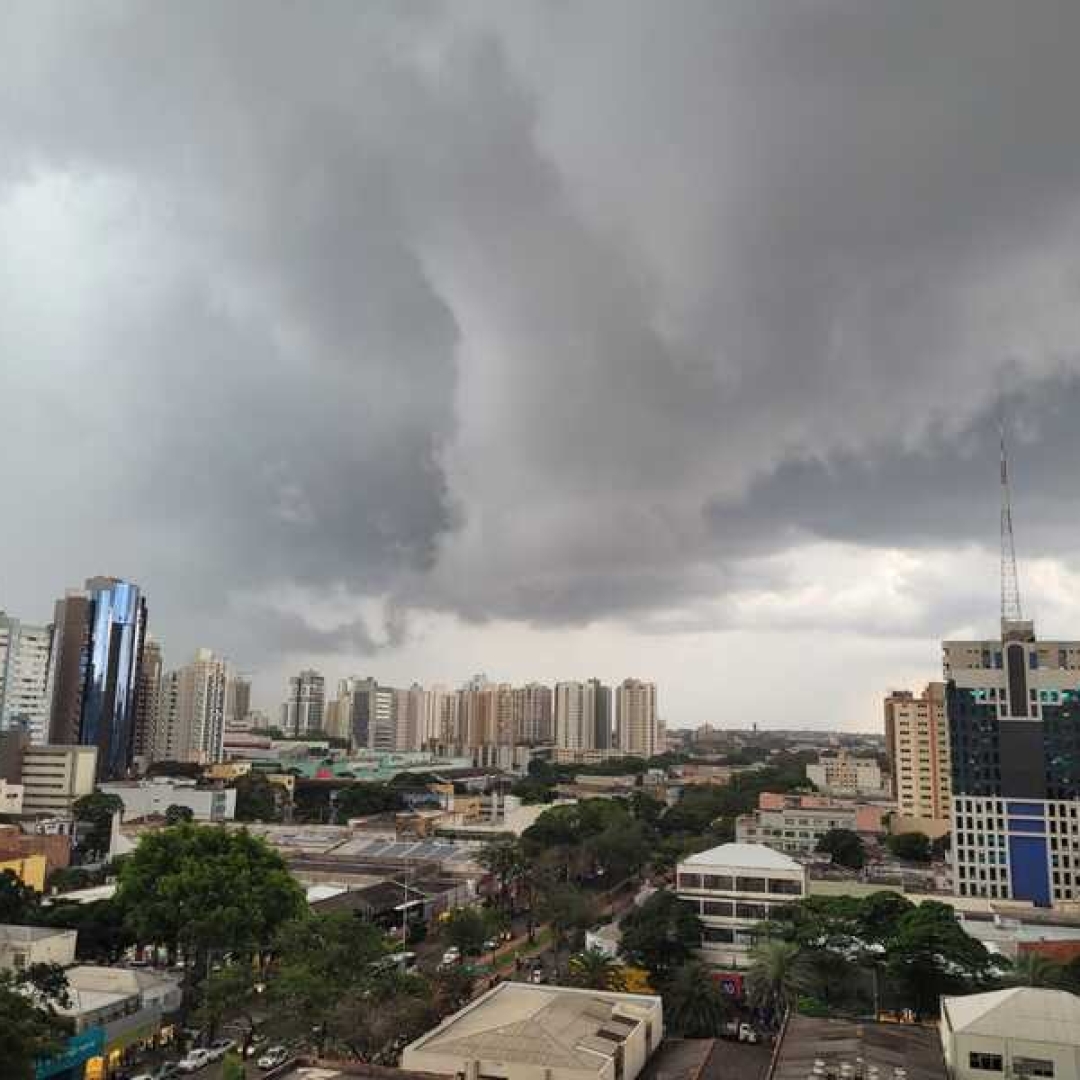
733 888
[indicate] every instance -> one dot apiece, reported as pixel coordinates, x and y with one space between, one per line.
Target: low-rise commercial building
54 777
29 869
22 946
732 888
795 823
130 1007
852 1049
55 846
517 1031
146 798
845 774
1021 1032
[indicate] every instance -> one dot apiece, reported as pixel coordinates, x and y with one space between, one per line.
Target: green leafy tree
505 859
201 888
566 909
694 1005
661 934
451 989
468 928
622 849
646 808
1037 969
376 1030
175 814
228 992
29 1028
595 970
19 903
258 799
845 847
321 961
910 846
363 798
779 974
97 810
931 954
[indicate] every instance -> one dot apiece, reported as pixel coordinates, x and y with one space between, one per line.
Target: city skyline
678 344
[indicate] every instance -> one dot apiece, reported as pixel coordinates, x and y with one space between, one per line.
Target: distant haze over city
545 341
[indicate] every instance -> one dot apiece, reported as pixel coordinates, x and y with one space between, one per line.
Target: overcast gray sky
545 339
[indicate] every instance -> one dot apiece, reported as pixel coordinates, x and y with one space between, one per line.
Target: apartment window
750 884
986 1062
689 881
719 935
785 888
1025 1066
752 911
717 907
716 883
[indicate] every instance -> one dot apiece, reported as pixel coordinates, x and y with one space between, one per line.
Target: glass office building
97 663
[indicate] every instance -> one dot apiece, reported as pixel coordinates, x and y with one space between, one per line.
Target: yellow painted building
30 870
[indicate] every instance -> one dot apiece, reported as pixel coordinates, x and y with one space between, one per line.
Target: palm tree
595 970
694 1005
779 973
506 860
1035 969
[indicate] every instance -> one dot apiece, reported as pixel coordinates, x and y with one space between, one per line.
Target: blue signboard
80 1048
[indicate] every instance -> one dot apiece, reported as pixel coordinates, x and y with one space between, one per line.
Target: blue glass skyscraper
97 670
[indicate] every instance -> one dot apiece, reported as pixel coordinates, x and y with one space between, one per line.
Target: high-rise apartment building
1014 731
97 651
917 742
24 677
191 710
598 708
372 712
533 707
302 712
237 701
583 715
636 724
147 699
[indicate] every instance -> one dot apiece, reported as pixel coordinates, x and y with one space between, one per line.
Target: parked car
195 1060
274 1056
219 1048
537 976
492 944
451 956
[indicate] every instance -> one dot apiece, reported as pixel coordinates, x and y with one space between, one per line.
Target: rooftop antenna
1010 582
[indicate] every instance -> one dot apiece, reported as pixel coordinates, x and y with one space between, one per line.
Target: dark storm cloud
545 311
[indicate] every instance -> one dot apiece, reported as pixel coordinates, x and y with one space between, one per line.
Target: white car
195 1060
274 1056
451 956
217 1050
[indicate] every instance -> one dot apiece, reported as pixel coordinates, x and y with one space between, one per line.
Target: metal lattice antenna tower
1010 582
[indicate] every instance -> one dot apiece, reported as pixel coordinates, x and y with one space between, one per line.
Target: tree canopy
199 887
845 847
910 846
661 934
97 810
